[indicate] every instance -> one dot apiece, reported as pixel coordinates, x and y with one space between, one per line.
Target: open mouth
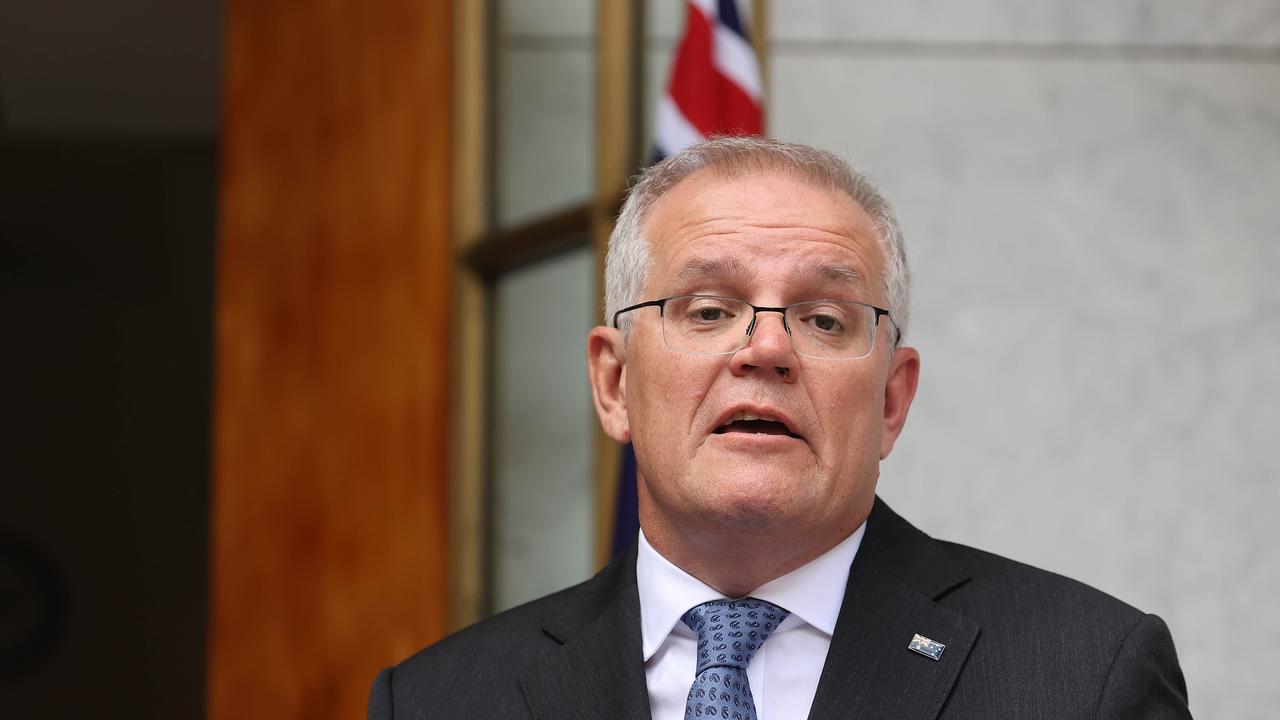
744 422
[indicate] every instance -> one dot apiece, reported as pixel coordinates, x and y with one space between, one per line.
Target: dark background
108 185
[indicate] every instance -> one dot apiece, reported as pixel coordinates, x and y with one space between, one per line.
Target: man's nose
768 350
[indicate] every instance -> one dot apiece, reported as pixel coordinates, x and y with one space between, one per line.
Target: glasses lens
705 324
832 329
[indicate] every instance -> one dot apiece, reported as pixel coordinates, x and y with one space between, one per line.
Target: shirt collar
812 592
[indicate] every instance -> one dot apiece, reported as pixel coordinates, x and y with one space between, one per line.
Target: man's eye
708 312
826 323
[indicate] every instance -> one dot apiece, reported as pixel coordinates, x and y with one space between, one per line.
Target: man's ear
899 391
606 366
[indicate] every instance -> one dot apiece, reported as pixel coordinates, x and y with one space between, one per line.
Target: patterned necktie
729 634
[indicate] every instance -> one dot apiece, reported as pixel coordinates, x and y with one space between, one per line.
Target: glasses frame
755 315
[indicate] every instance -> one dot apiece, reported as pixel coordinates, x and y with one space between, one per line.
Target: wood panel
331 440
472 213
619 147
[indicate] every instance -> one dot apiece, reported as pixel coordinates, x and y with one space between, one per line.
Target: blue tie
729 634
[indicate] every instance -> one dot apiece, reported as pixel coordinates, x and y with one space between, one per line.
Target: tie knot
731 631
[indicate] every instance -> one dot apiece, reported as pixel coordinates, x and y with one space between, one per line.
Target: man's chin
754 518
756 495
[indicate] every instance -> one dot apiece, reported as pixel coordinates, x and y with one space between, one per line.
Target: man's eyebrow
700 267
838 273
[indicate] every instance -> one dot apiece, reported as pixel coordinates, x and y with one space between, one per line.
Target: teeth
744 415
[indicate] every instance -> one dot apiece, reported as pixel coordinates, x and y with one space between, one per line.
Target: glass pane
544 429
545 108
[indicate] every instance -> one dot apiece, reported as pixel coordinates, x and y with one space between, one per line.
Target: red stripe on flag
711 102
693 83
740 115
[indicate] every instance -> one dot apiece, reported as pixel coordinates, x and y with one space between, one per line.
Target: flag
715 86
714 89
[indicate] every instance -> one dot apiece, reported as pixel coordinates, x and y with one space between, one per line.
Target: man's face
770 240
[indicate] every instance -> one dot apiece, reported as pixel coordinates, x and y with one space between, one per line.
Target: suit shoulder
998 575
475 671
470 673
506 639
1017 600
1062 639
984 583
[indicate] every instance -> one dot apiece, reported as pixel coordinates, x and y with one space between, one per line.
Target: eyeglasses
711 325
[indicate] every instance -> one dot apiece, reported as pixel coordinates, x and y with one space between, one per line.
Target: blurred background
294 300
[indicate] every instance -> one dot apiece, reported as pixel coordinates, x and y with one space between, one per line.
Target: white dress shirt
784 672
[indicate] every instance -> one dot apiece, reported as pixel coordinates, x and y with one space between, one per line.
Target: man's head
763 440
627 265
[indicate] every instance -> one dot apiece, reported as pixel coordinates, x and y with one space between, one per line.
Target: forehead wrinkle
732 227
804 227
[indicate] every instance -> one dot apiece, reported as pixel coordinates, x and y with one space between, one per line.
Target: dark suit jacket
1020 643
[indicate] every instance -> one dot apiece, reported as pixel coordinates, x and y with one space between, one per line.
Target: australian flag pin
926 647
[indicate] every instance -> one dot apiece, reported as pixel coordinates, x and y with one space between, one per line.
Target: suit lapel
598 672
896 578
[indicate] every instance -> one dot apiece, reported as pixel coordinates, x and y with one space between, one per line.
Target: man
757 293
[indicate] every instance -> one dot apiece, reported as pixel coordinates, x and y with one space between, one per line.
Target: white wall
1091 198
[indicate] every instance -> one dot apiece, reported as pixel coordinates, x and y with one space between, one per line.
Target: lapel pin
926 647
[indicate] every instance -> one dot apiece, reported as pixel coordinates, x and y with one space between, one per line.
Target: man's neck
737 562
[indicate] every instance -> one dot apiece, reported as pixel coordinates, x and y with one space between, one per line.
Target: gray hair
629 260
